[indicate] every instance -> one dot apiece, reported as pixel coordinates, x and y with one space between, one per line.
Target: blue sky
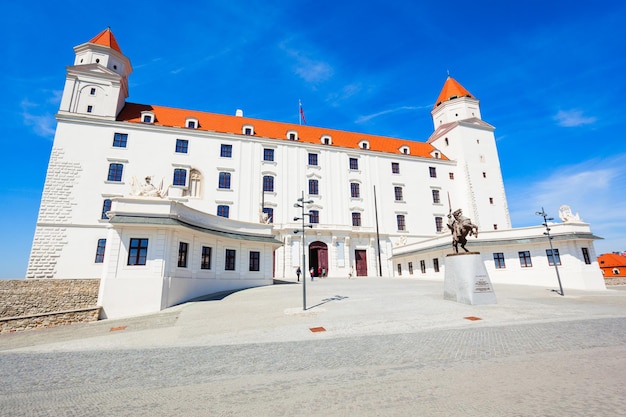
549 75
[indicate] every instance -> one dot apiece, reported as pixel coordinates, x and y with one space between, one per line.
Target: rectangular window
229 261
436 264
312 159
268 183
100 251
89 109
268 154
106 206
433 172
397 191
439 224
255 261
120 140
206 258
451 175
223 211
354 163
224 180
399 269
436 197
269 213
182 254
180 177
314 216
410 268
313 187
226 151
115 172
395 167
524 259
400 221
586 256
137 251
356 219
92 92
355 190
553 256
490 200
423 266
498 260
182 145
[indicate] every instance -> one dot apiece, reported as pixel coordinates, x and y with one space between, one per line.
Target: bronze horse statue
460 227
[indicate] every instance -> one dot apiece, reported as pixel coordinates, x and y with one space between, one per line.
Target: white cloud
368 117
309 69
573 118
42 122
596 189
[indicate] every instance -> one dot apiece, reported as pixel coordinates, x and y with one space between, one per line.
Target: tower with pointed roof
97 84
462 135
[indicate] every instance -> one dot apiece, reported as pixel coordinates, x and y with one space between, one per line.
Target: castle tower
462 135
97 84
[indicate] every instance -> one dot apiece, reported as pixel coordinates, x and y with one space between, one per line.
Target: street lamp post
301 204
543 214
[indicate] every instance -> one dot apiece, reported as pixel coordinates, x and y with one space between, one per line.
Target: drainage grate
472 318
317 329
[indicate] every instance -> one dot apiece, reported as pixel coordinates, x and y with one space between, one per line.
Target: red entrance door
361 263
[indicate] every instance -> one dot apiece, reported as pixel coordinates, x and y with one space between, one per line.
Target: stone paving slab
390 348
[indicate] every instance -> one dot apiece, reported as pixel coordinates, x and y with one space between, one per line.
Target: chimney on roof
239 113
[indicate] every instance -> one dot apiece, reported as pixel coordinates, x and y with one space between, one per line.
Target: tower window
395 167
100 251
312 159
119 140
401 222
314 216
92 92
182 145
180 177
268 183
268 154
106 206
226 151
89 109
354 164
224 180
223 211
356 219
433 172
355 190
115 172
313 187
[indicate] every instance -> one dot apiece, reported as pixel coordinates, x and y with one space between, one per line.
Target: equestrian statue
460 226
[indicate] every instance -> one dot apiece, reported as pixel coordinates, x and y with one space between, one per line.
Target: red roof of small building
167 116
451 90
106 38
612 260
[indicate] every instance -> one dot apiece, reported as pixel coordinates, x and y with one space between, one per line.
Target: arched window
195 184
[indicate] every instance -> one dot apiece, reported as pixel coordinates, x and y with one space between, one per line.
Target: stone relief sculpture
460 226
566 215
147 189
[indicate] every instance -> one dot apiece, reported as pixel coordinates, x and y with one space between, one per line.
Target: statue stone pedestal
466 280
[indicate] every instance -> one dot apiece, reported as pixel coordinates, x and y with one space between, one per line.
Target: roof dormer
405 150
148 117
191 123
326 140
292 134
247 130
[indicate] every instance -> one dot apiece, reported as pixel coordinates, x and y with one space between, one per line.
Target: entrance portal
361 262
318 257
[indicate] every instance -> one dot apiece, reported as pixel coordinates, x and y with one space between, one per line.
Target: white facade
515 256
370 194
184 256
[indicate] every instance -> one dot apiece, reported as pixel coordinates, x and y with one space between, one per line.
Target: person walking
298 272
312 273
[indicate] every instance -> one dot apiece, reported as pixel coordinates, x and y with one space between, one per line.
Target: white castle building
166 204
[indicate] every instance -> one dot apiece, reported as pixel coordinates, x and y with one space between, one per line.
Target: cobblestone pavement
390 348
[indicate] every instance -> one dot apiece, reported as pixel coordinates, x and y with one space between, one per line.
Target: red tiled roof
612 260
167 116
106 38
452 89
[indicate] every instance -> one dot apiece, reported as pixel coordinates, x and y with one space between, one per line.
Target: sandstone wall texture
38 303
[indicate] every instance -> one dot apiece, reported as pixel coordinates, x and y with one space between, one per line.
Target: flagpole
299 112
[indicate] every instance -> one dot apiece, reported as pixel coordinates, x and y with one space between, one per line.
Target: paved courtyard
363 347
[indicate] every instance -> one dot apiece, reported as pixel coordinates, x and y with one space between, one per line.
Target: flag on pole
302 118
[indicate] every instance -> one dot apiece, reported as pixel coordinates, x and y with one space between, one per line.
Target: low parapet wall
37 303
